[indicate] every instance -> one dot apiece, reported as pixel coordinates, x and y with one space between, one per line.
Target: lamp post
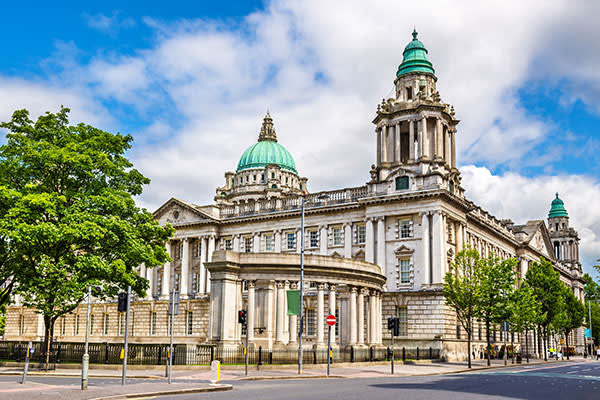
301 288
86 357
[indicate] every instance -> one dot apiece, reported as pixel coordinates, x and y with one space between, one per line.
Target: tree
571 315
524 312
591 288
461 290
497 280
73 221
545 282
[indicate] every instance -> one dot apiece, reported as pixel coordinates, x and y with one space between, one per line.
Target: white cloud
522 198
109 24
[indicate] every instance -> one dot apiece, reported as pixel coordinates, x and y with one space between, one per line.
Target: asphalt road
571 381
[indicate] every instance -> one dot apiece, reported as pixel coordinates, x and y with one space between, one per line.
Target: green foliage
547 288
497 280
70 217
595 310
591 288
523 309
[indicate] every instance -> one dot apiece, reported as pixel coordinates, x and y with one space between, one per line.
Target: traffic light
394 325
242 317
391 323
122 307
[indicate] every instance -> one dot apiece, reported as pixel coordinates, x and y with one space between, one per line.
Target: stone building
372 251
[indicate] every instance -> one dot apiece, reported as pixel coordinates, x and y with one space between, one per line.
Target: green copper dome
266 151
558 208
415 58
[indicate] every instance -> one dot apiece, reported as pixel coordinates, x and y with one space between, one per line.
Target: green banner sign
293 302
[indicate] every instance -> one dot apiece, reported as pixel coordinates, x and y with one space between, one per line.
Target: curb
504 366
215 388
289 377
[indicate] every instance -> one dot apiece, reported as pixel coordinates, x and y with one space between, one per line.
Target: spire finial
267 131
415 33
557 195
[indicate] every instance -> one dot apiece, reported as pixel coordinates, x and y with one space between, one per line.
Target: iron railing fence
156 354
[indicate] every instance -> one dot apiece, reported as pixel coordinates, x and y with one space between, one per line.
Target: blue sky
192 80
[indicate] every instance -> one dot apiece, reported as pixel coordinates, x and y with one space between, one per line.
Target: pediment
403 251
359 255
176 212
541 242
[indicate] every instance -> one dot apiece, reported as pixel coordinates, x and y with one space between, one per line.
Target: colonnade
354 323
428 139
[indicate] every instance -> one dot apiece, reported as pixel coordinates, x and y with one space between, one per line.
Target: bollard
351 353
106 353
215 372
430 353
26 367
417 353
212 354
403 354
314 356
259 357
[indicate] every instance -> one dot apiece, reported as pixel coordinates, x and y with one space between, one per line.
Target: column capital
323 226
424 213
347 224
280 284
363 291
369 219
294 285
320 286
251 284
353 289
331 287
380 218
277 231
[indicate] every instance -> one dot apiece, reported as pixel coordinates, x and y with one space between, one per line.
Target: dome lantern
415 58
558 208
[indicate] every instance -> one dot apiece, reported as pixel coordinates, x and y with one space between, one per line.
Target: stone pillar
293 320
348 240
426 268
378 130
250 316
211 249
269 313
361 316
381 244
447 136
202 273
397 143
424 139
332 304
298 240
256 243
379 320
224 303
164 290
320 316
439 140
411 140
149 274
286 318
384 143
438 247
236 243
185 269
277 238
323 239
280 313
458 236
453 147
352 317
372 318
369 241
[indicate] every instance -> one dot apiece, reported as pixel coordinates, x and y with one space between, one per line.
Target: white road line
571 372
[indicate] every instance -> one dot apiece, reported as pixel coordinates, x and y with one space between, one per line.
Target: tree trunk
527 345
512 344
487 335
469 346
47 324
545 339
567 342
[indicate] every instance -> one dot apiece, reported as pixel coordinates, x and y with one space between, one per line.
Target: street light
86 357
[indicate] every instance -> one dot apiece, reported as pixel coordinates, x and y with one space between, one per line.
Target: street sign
562 341
587 333
330 320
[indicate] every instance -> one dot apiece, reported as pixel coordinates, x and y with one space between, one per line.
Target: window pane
402 314
404 271
402 183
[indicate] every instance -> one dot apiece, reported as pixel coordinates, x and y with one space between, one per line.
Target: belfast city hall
371 252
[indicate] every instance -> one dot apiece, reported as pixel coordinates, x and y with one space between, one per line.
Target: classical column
384 143
379 320
256 242
269 313
202 272
286 318
320 316
453 147
411 140
250 316
361 316
353 317
149 274
293 319
447 136
211 249
348 240
185 269
439 140
397 143
277 238
424 138
332 307
381 244
438 247
298 240
323 239
458 236
426 267
164 290
378 130
280 312
369 241
372 318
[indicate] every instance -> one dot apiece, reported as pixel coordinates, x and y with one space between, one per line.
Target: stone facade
372 251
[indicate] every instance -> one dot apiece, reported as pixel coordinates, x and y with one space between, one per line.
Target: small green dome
415 58
557 209
266 151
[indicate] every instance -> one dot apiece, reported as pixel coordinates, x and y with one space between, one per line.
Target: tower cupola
557 208
415 58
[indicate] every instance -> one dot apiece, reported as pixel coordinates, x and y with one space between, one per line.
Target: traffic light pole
170 359
246 348
328 347
124 376
393 351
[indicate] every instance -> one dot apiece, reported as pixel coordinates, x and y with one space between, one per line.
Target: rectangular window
21 325
337 236
91 324
362 234
77 325
310 322
402 183
313 238
406 228
63 328
405 271
106 321
248 244
190 322
198 249
291 240
228 244
402 314
121 324
269 243
195 277
152 323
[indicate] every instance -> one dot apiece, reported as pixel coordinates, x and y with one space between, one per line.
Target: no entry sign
330 320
